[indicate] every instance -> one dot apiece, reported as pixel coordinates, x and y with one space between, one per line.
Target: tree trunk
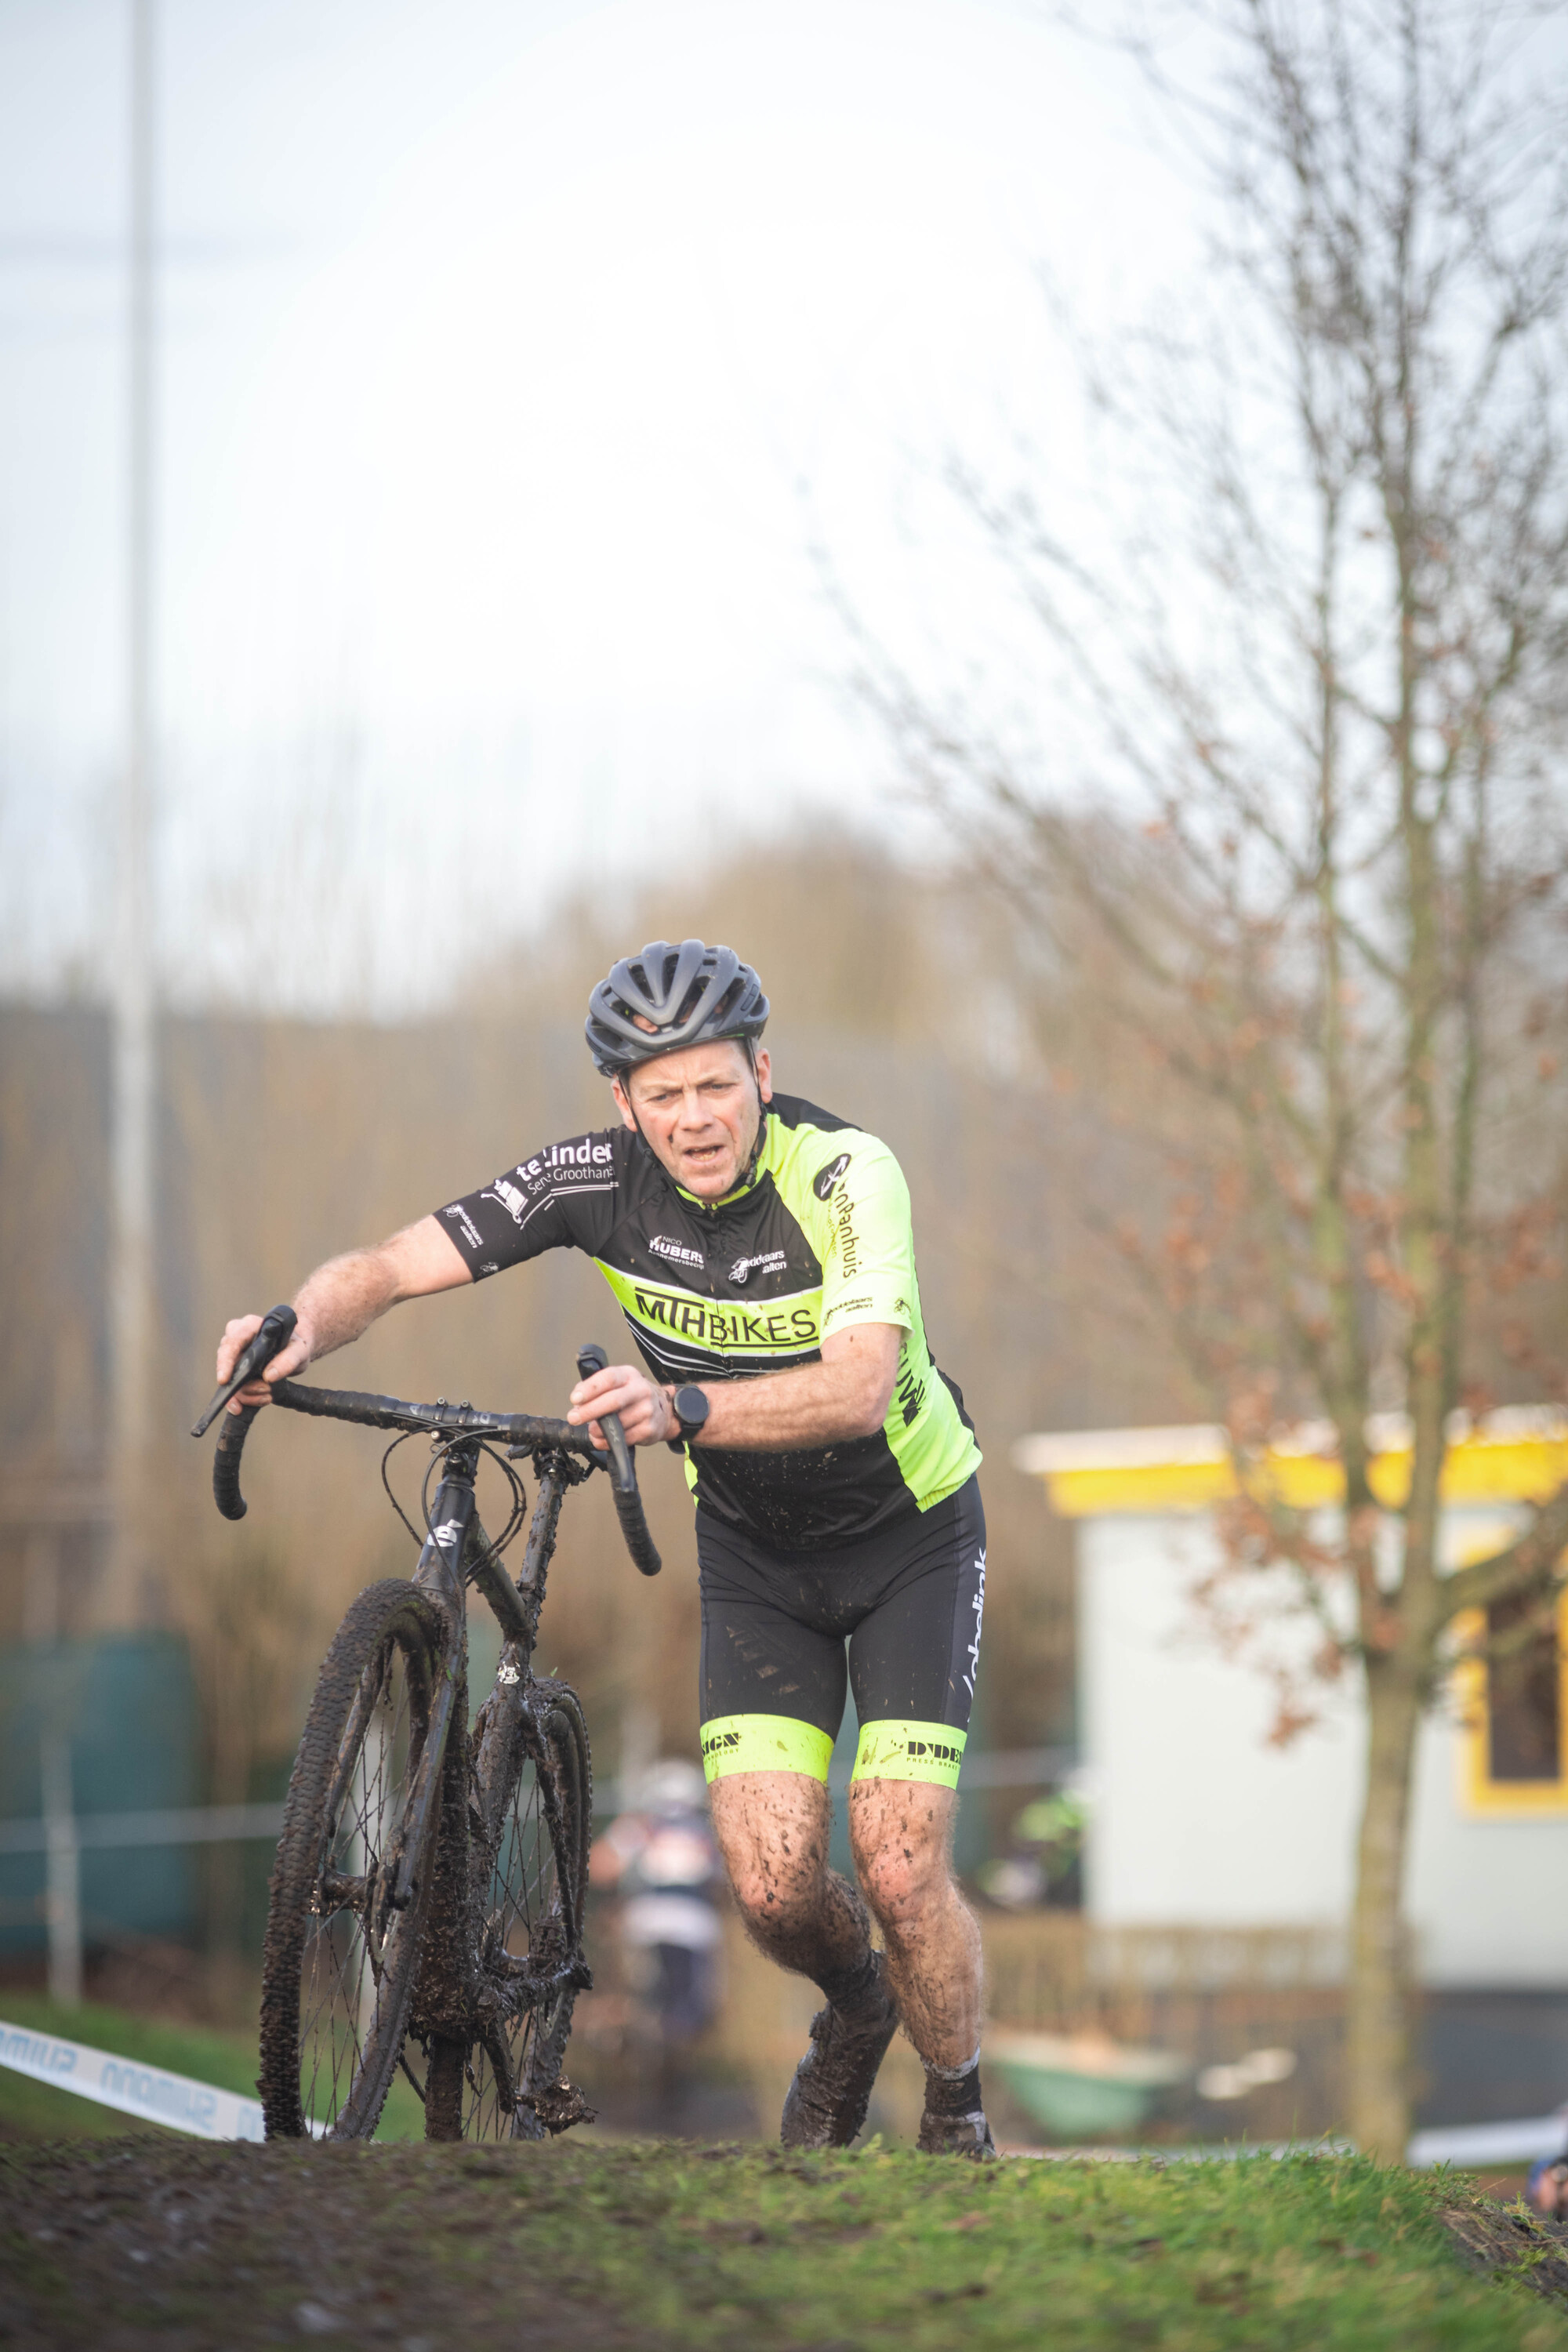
1377 2032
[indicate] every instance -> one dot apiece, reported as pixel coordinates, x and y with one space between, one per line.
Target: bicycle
430 1880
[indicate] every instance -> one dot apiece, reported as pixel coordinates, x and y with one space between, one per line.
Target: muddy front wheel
533 1790
342 1938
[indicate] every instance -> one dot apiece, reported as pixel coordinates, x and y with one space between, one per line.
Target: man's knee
903 1867
775 1894
772 1833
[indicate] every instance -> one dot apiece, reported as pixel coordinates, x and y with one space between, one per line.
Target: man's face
700 1111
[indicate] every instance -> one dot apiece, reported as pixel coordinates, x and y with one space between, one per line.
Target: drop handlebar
521 1433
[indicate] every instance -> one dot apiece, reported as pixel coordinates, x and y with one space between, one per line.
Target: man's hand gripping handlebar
277 1329
624 1476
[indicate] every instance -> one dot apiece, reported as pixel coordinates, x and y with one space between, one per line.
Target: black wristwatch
690 1409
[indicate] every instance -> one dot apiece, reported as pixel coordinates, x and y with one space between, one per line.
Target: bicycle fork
439 1574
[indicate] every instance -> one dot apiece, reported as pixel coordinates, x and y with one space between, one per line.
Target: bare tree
1310 835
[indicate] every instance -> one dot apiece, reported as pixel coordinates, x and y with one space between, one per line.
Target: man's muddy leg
901 1834
772 1829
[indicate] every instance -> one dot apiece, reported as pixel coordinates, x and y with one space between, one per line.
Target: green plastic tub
1081 2086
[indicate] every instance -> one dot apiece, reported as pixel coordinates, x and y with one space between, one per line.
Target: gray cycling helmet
689 995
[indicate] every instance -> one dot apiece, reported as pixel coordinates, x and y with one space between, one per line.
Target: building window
1513 1708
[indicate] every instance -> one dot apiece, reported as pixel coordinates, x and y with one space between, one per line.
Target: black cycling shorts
907 1601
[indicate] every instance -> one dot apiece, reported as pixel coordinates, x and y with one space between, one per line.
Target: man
762 1252
1546 2186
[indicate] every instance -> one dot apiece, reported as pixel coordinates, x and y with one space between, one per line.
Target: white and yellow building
1198 1820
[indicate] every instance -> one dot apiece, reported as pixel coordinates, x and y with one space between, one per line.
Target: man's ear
622 1105
764 1074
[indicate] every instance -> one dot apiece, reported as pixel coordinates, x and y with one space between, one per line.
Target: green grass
770 2248
659 2246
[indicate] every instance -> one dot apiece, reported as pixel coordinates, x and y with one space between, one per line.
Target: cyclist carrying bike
763 1253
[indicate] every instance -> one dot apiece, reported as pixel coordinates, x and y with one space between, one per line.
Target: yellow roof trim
1515 1458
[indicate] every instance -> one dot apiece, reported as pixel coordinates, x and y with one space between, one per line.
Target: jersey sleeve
564 1198
866 1239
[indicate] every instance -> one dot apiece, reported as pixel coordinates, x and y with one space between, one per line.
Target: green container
1079 2089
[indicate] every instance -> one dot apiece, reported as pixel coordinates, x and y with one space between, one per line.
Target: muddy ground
130 2244
137 2243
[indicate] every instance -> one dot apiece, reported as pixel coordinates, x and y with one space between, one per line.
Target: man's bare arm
844 1395
345 1296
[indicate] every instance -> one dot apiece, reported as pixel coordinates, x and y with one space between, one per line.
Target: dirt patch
1506 2243
186 2247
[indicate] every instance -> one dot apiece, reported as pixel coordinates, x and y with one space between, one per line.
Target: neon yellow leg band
765 1743
909 1751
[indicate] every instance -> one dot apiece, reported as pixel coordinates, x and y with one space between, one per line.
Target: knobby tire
339 1964
528 1861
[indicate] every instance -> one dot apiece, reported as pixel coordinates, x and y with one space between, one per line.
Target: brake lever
591 1358
275 1331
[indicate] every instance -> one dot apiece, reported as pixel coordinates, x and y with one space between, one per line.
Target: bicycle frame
455 1551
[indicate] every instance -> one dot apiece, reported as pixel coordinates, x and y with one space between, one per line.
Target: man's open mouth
701 1162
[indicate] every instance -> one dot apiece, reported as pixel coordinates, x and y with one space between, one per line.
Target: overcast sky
513 356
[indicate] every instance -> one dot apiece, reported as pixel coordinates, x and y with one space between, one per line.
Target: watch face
690 1408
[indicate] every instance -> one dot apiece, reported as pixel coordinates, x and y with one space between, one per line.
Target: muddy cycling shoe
967 2136
832 2087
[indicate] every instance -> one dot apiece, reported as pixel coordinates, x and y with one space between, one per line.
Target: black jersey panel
819 1496
792 1110
567 1197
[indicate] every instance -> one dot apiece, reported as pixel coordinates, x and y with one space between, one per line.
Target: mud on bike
426 1908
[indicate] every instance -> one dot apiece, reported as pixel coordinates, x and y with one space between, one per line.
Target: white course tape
1469 2144
145 2091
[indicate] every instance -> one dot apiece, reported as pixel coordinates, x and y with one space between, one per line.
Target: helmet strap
750 1168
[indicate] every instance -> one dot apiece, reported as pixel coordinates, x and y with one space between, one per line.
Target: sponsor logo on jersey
586 1154
912 1391
461 1216
823 1181
846 1307
979 1607
931 1751
769 1262
720 1743
719 1326
848 1245
662 1246
509 1196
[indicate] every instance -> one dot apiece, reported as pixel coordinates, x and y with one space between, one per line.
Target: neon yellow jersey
817 1239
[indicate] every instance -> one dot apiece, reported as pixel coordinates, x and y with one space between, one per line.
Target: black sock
951 2092
857 1990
